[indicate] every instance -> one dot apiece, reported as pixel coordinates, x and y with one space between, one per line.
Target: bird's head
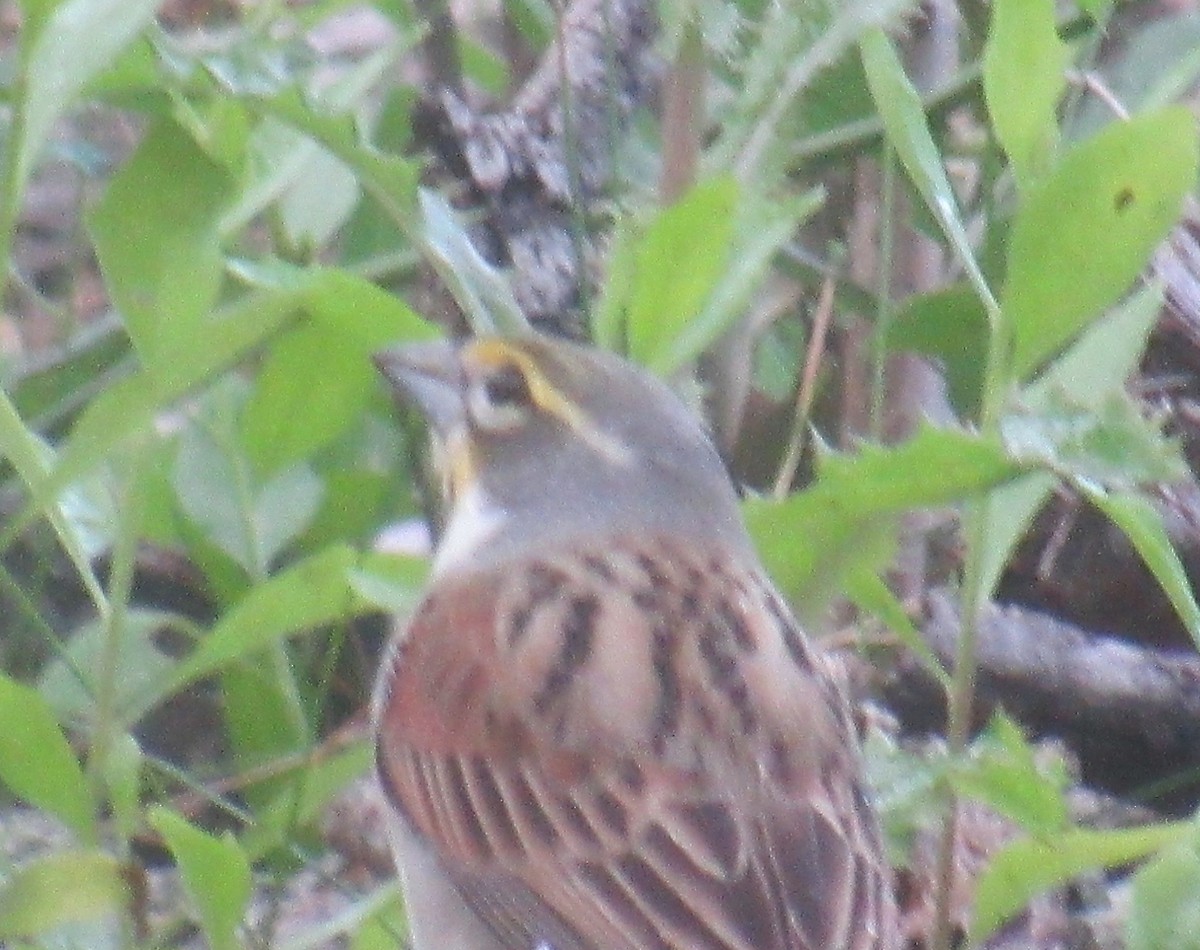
559 439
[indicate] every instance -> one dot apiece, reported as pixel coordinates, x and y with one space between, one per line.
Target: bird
601 728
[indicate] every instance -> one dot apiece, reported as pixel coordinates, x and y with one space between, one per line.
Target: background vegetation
198 462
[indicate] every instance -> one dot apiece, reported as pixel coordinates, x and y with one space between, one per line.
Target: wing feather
567 815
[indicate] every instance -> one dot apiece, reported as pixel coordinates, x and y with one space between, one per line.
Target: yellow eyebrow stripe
499 353
496 354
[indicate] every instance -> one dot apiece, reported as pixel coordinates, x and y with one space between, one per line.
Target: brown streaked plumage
602 729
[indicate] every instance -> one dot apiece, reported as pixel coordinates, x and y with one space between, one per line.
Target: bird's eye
507 386
500 399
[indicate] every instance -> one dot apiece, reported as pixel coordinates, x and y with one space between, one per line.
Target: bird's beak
429 375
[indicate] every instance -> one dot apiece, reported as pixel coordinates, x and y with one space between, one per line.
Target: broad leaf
845 521
908 131
156 234
678 262
215 873
249 519
307 594
1089 373
67 684
317 379
1032 865
32 900
1102 359
1143 526
70 46
951 327
1165 910
38 764
1024 66
1085 232
1002 771
771 224
1110 445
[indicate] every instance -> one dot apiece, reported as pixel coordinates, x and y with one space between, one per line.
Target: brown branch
1131 713
532 180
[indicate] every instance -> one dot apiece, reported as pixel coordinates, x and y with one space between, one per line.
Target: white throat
472 523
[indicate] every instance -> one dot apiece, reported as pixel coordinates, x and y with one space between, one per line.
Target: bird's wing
633 749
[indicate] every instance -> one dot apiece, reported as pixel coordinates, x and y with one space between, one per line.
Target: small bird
602 729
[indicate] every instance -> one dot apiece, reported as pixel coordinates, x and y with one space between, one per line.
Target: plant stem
11 182
976 592
822 320
683 113
440 45
885 310
961 703
120 584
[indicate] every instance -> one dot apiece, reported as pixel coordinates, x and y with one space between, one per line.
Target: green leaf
765 229
484 292
37 763
1165 911
1102 359
609 310
390 582
1094 368
867 591
302 803
250 519
127 409
1143 526
390 179
157 239
1085 232
123 411
1008 511
33 460
1109 445
215 873
483 67
935 466
324 190
1028 867
318 202
67 681
47 393
1003 772
909 789
307 594
264 718
794 49
318 378
907 130
71 46
844 521
534 19
313 385
282 155
949 326
678 262
1023 79
32 899
314 185
367 314
384 922
358 497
